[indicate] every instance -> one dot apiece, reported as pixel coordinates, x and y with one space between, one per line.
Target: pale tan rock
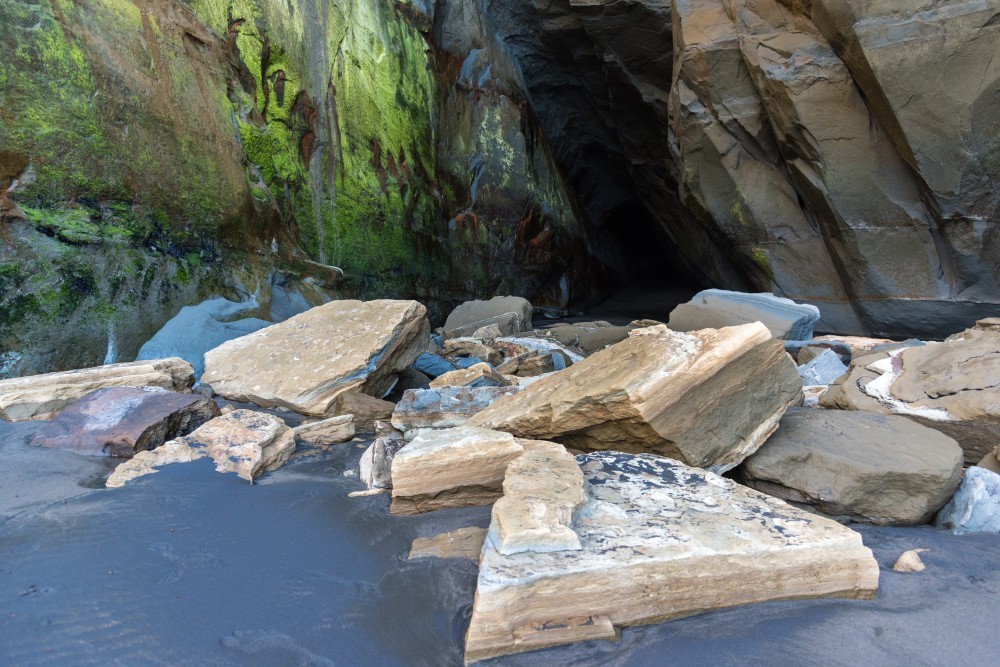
244 442
366 410
327 431
709 398
462 543
660 540
480 375
454 467
541 490
859 345
42 396
910 561
990 462
471 347
307 361
147 462
375 466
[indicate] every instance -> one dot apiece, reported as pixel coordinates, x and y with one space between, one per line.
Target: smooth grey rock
880 469
975 507
375 466
443 407
716 308
823 369
511 314
432 365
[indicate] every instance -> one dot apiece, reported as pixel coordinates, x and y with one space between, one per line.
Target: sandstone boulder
459 350
874 468
714 309
443 407
587 336
326 431
42 396
951 386
975 508
375 467
121 421
455 467
511 314
461 543
659 540
244 442
709 398
366 410
480 375
306 362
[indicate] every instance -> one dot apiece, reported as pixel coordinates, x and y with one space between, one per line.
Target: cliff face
155 151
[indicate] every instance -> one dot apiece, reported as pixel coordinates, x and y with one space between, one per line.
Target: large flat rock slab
511 314
716 308
708 398
880 469
121 421
42 396
306 362
660 540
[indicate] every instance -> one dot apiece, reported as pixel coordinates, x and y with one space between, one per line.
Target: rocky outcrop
121 421
42 396
331 431
714 309
976 506
660 540
675 394
885 470
306 362
950 386
244 442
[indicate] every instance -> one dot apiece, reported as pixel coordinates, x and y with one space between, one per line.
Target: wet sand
191 567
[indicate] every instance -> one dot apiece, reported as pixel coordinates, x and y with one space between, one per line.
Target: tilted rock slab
306 362
953 387
709 398
455 467
512 314
879 469
121 421
443 407
42 396
660 540
716 308
244 442
331 431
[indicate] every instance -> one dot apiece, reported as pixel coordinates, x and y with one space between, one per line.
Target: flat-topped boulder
953 386
307 361
478 375
332 431
511 315
881 469
244 442
659 540
708 398
121 421
42 396
716 308
455 467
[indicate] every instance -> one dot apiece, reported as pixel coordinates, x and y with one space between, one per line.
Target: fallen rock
951 386
991 462
444 407
975 508
542 489
824 368
511 314
910 561
714 309
121 421
462 543
561 355
42 396
432 365
885 470
660 540
326 431
244 442
858 345
455 467
488 334
589 337
307 361
375 467
670 393
366 410
459 350
480 375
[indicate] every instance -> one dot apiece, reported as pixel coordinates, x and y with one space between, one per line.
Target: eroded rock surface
660 540
306 362
327 431
670 393
511 314
714 309
42 396
976 505
444 407
121 421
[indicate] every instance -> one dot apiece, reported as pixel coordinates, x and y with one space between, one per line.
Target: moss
759 258
10 278
72 225
78 284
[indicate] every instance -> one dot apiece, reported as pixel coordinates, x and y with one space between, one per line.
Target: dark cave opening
651 278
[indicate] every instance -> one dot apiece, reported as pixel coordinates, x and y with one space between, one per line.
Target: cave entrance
651 279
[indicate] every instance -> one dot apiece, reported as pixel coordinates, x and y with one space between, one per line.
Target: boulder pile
601 448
